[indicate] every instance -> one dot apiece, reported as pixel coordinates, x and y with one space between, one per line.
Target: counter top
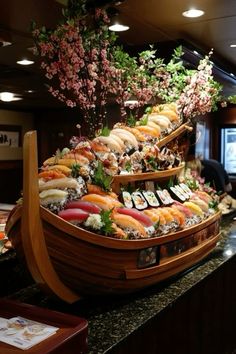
112 319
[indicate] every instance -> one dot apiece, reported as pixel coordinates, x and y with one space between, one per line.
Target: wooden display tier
119 180
70 261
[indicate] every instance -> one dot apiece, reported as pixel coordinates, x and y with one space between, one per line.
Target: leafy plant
107 228
101 179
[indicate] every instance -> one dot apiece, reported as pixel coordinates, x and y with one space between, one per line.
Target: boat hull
93 264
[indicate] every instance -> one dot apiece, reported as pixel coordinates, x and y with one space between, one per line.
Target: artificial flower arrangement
86 67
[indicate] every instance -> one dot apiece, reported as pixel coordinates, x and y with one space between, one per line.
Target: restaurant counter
192 313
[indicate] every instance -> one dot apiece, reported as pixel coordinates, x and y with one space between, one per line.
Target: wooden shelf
125 179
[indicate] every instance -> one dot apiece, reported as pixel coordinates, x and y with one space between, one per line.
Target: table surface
112 319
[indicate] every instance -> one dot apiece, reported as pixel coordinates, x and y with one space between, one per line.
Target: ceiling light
25 62
9 97
193 13
6 96
233 45
117 27
116 24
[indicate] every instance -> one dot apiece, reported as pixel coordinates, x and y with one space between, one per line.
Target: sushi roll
151 198
139 201
177 195
127 199
182 191
186 189
164 197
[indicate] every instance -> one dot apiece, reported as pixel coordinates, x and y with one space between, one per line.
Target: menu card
24 333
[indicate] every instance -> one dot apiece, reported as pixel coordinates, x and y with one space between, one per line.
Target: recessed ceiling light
6 96
25 62
193 13
9 97
233 45
116 27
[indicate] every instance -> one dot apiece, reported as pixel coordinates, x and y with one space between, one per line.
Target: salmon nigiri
128 222
102 201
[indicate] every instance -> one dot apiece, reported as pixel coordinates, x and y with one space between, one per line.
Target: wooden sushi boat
71 262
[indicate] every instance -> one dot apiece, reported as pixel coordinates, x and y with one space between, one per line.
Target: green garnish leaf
107 228
131 120
148 110
128 166
105 131
143 120
75 170
101 179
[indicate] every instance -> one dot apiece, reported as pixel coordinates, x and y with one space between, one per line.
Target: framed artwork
10 135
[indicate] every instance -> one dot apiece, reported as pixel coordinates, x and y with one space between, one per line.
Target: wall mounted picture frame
10 136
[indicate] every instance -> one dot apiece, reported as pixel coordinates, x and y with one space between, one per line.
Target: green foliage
143 120
101 179
107 228
75 170
232 99
105 131
131 120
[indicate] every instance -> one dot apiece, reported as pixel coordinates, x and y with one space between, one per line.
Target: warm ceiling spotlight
116 24
117 27
193 13
25 62
6 96
9 97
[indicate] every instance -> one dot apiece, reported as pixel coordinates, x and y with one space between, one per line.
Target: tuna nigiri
73 215
86 206
138 215
187 212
